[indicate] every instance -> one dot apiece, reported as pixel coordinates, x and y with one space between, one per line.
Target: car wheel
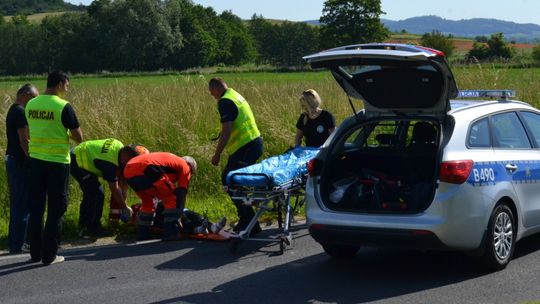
501 232
340 251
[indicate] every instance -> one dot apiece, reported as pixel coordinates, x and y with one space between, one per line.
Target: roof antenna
354 110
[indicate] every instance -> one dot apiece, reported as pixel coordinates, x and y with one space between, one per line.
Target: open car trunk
383 166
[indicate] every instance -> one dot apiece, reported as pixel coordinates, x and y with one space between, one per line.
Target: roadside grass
176 113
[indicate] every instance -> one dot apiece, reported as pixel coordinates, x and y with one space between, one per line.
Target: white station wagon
417 168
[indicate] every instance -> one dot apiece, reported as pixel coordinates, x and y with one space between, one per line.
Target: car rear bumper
380 237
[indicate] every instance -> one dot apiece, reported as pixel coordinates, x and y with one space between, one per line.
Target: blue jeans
18 203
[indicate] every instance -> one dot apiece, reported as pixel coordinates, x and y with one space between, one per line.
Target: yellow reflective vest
49 139
103 149
244 128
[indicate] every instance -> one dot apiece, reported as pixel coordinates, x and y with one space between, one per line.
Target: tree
132 35
482 39
347 22
438 41
479 51
496 48
536 53
264 35
20 47
242 48
499 48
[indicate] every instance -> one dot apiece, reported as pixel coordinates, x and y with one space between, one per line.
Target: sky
519 11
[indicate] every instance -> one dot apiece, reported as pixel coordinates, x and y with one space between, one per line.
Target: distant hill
522 32
27 7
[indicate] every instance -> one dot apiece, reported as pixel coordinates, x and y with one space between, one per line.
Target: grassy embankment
176 113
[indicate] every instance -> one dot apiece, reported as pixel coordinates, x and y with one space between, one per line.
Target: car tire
340 251
501 238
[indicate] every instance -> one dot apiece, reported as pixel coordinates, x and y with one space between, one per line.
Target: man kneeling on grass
163 176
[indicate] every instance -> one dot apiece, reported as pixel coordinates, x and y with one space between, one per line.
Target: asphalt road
206 272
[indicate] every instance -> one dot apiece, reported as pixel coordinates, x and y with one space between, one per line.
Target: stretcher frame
269 198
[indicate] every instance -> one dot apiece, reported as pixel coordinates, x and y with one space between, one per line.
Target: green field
176 113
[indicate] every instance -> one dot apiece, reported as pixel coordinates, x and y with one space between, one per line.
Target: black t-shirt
227 110
69 119
317 130
108 170
15 119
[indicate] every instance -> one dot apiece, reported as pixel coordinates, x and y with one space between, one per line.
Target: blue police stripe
489 173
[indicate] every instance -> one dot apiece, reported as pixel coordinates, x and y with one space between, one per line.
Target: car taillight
313 167
455 172
437 52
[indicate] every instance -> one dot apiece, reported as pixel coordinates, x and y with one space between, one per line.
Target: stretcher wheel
233 245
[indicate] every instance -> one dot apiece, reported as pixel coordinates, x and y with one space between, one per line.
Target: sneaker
97 233
25 248
83 233
217 227
32 260
202 229
57 259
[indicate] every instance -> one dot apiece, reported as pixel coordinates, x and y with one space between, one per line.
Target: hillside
28 7
521 32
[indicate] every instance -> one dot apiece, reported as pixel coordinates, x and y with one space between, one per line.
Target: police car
419 166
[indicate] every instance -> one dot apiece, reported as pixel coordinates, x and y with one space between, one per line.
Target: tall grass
176 113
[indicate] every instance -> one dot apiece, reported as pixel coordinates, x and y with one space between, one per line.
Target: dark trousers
245 156
47 187
91 208
18 204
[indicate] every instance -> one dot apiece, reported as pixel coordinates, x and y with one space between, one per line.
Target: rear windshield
389 84
393 135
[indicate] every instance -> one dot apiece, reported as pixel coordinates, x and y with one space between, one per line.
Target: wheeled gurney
269 186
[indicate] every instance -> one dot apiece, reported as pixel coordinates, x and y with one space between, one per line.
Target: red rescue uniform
154 175
160 175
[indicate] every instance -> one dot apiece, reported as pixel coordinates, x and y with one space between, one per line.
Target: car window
382 134
508 132
479 136
533 122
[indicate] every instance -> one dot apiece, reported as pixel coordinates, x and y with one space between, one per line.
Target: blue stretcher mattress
274 171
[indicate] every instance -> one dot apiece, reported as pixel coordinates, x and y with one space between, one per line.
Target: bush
438 41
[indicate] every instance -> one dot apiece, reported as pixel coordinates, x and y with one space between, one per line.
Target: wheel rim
503 235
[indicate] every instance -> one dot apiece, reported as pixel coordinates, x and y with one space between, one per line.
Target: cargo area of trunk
378 172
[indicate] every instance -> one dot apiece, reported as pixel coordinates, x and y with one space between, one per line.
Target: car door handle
511 167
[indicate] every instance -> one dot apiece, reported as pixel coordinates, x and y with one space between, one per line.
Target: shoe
202 229
217 227
97 233
25 248
58 259
83 233
32 260
255 230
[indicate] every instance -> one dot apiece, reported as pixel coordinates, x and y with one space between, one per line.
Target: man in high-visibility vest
91 160
240 137
51 121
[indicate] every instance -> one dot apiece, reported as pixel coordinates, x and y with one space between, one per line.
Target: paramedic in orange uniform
163 176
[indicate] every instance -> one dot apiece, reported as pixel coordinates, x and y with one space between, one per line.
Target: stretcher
270 186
